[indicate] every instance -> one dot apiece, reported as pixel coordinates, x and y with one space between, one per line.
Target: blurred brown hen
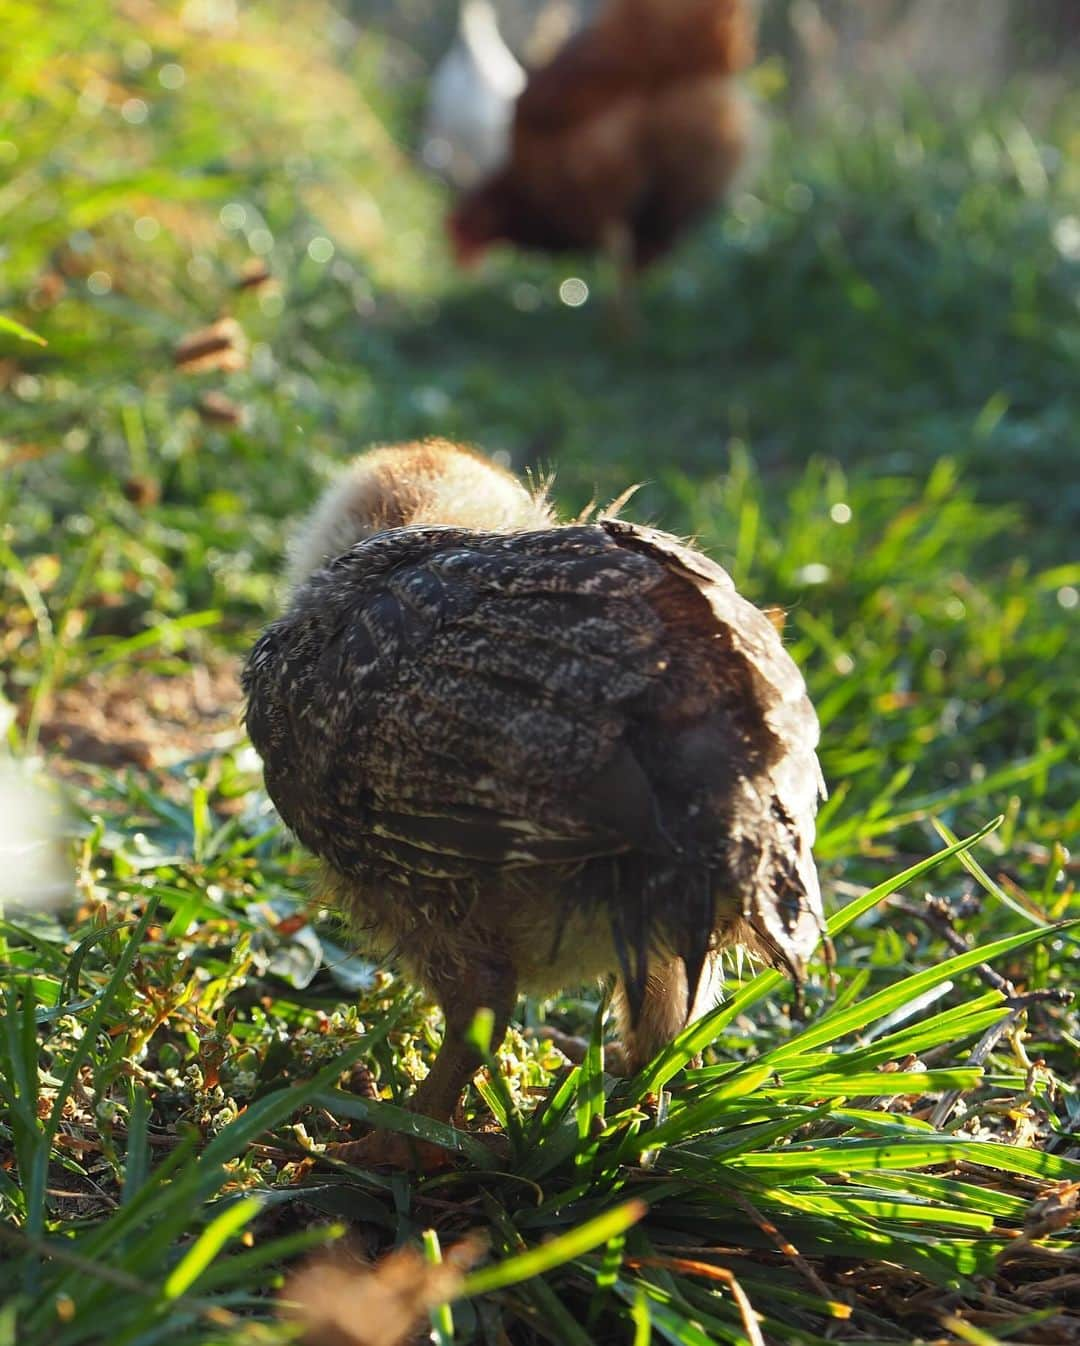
630 134
531 754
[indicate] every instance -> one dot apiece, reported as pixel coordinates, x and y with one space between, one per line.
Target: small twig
1050 1288
784 1245
715 1273
982 1049
936 913
942 917
1051 995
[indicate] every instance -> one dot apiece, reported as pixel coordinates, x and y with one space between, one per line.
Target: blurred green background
857 386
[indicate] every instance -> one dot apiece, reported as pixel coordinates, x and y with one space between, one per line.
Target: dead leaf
255 276
221 346
1053 1212
338 1303
218 409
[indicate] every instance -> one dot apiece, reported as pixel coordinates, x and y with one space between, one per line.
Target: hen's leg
619 247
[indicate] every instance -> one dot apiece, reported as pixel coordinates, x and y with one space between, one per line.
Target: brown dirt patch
145 718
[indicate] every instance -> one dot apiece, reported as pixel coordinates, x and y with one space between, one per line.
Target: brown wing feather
585 77
767 817
436 697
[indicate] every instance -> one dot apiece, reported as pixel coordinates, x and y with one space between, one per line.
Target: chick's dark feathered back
593 708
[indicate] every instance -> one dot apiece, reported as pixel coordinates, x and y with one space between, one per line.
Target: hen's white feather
471 99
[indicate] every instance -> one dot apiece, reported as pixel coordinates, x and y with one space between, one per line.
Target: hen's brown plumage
537 755
628 136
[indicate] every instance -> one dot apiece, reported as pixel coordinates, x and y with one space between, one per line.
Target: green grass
857 389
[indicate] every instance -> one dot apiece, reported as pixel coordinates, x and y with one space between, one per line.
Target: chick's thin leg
489 985
665 1011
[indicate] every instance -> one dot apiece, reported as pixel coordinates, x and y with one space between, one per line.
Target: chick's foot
390 1149
574 1048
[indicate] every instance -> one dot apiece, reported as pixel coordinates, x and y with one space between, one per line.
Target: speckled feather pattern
572 746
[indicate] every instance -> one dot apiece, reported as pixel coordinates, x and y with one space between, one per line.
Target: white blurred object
471 99
33 867
551 30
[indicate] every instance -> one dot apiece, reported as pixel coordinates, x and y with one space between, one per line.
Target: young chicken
624 140
471 99
531 754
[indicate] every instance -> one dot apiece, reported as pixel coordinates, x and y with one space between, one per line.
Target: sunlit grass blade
554 1253
916 1212
833 1026
857 1156
878 1084
848 915
209 1243
548 1117
493 1088
590 1091
442 1316
994 889
954 1191
17 329
240 1268
701 1115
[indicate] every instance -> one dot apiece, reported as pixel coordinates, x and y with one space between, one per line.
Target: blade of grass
857 1156
590 1094
18 330
209 1243
978 873
554 1253
389 1117
833 1026
442 1316
137 1160
699 1116
879 1084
